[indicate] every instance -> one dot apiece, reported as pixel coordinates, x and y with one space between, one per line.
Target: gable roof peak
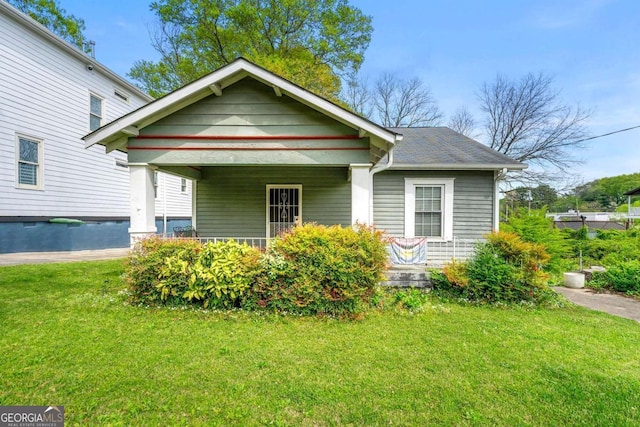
216 82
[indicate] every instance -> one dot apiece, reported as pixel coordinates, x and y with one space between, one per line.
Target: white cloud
565 14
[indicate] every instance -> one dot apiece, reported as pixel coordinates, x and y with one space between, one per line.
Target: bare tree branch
462 121
357 95
526 121
400 103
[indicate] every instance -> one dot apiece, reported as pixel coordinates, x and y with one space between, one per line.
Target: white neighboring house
52 94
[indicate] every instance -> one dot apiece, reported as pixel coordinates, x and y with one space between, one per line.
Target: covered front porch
257 203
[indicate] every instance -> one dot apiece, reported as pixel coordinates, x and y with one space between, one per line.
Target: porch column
141 201
360 192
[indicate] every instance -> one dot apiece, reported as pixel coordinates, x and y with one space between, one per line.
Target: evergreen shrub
504 269
311 270
315 269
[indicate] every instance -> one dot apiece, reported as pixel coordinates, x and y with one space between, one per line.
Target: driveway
609 303
70 256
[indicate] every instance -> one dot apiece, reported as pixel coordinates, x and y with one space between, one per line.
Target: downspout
374 170
499 176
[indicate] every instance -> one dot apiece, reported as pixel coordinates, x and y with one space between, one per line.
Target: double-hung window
96 111
429 208
29 162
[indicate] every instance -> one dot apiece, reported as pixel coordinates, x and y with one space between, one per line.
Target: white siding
44 93
178 204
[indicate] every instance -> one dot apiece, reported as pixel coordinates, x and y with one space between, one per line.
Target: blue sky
591 47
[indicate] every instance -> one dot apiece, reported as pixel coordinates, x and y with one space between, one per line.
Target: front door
284 208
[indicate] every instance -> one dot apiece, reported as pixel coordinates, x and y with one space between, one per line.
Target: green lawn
66 338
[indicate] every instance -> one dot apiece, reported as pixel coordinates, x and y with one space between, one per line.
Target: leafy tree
51 15
311 42
526 120
566 203
608 192
531 197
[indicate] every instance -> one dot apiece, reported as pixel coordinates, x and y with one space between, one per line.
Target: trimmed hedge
147 259
505 269
315 269
620 277
312 270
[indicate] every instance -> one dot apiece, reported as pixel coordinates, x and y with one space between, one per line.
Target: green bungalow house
266 154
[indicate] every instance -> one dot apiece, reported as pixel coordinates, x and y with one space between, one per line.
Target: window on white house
29 162
96 111
429 208
183 185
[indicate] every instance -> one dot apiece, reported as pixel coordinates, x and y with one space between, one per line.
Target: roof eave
224 77
459 166
43 31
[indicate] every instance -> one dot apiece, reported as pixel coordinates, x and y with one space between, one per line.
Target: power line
607 134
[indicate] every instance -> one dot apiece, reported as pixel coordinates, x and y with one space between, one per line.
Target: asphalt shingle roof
441 146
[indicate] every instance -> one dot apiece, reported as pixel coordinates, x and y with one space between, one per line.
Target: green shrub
411 299
315 269
147 259
218 277
624 277
180 271
599 281
610 247
533 226
504 269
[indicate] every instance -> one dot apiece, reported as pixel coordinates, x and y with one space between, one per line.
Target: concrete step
407 276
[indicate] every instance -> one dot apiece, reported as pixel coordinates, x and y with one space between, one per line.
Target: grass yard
66 338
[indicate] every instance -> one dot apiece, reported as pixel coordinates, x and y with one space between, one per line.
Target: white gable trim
225 77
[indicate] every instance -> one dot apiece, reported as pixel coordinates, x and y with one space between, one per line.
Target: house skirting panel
37 234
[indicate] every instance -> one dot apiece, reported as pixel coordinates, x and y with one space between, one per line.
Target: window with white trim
96 111
183 185
428 207
29 162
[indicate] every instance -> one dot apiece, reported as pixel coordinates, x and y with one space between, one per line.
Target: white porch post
141 202
496 202
360 192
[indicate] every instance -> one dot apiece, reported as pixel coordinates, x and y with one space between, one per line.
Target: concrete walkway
71 256
609 303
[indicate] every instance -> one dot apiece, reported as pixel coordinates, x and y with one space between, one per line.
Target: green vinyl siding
231 201
252 109
472 201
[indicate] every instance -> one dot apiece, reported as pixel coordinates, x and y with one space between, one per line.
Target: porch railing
256 242
418 250
433 253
